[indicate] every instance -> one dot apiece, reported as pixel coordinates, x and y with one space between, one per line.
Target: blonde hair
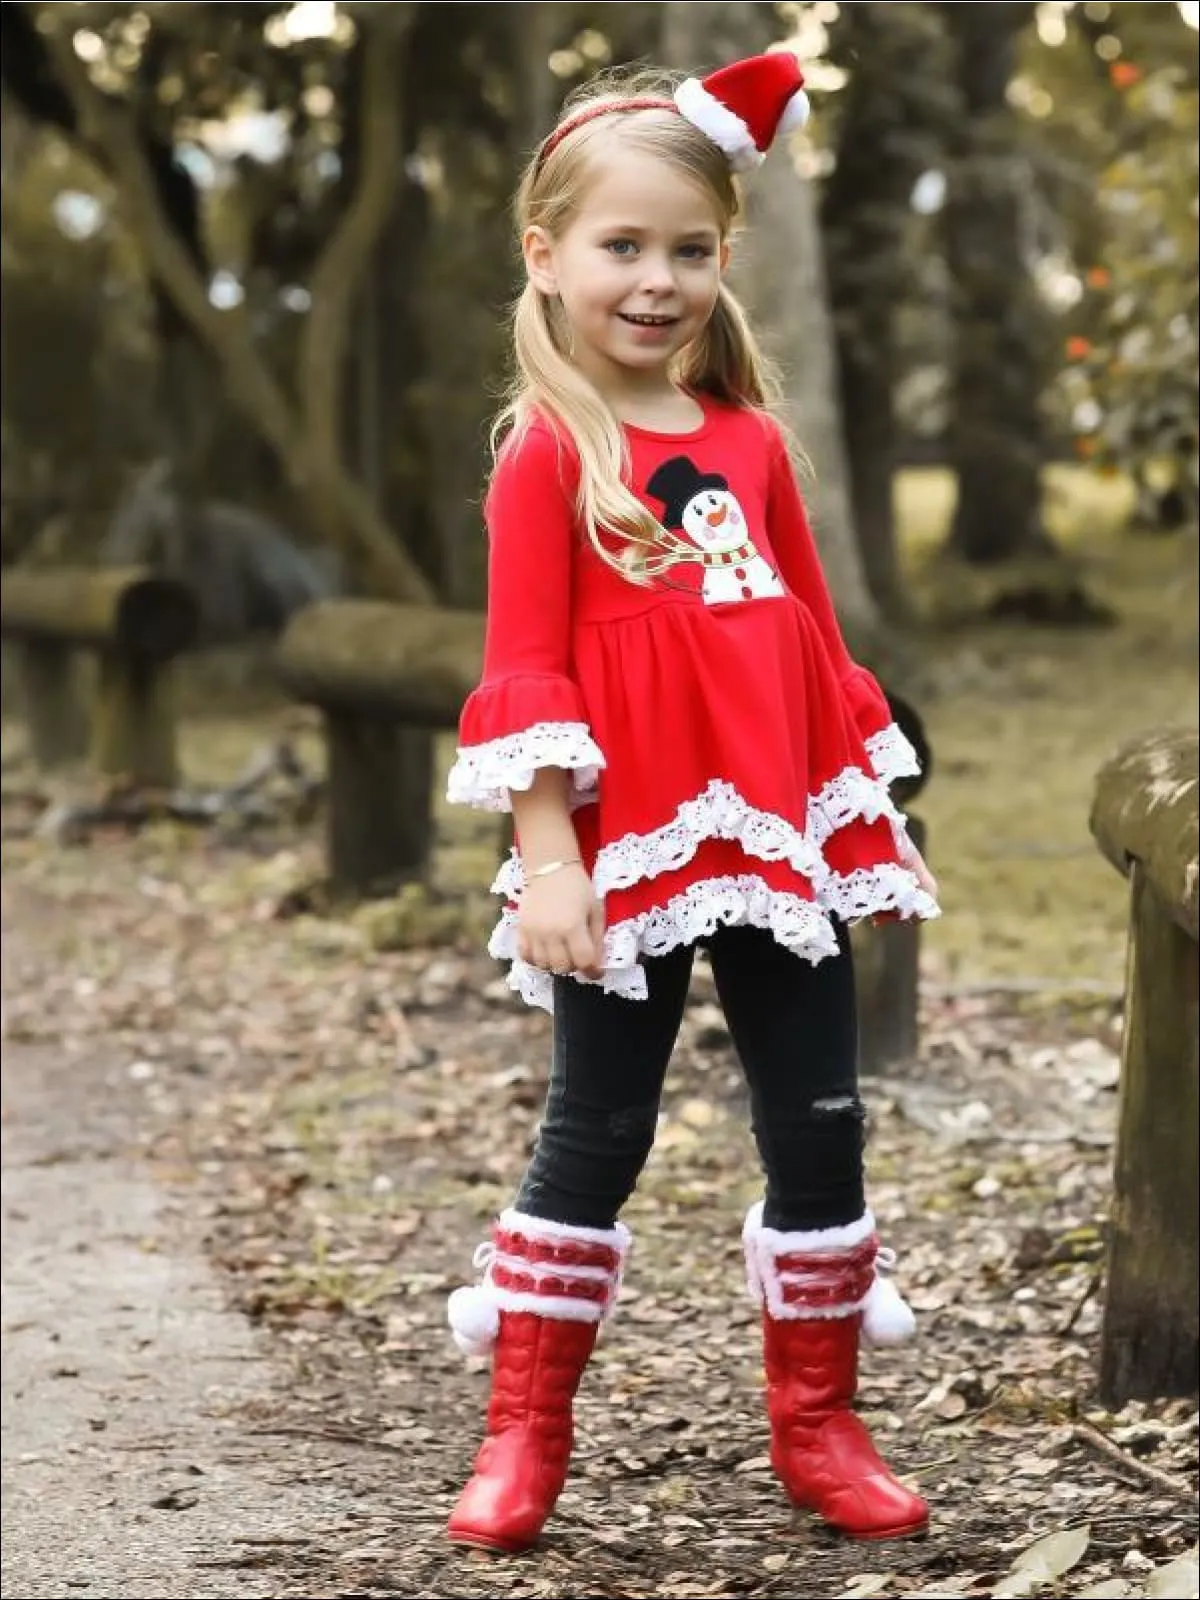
724 361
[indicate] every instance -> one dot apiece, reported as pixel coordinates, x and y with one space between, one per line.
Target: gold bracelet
553 866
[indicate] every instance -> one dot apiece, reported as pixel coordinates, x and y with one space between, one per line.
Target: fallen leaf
866 1585
1178 1580
1043 1562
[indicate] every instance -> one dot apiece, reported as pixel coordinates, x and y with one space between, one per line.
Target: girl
691 757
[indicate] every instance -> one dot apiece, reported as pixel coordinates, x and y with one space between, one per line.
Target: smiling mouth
646 320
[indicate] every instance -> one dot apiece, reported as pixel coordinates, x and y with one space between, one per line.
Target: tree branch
339 270
336 279
108 125
312 465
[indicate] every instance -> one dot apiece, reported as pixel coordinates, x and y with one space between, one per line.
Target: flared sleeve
891 753
527 711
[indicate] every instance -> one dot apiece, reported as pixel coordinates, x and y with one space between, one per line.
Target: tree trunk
995 443
466 274
887 137
780 273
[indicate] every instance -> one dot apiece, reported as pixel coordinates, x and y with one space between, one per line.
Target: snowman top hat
742 108
677 483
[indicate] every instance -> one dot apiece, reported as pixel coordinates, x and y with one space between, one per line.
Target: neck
662 405
624 391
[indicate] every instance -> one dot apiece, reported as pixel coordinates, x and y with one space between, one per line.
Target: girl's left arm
892 755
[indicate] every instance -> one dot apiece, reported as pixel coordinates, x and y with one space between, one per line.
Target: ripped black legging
794 1028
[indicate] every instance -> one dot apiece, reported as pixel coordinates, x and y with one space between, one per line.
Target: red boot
819 1292
546 1290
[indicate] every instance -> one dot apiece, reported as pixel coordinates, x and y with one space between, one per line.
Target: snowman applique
705 523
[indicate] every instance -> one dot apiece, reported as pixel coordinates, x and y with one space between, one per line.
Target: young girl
692 758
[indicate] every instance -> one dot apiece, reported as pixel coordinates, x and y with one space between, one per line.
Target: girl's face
637 269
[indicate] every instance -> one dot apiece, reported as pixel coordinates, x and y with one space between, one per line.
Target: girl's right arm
525 743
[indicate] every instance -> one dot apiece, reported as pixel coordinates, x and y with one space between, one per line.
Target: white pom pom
474 1320
795 113
887 1318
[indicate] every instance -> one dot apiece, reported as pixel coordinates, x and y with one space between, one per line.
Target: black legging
794 1028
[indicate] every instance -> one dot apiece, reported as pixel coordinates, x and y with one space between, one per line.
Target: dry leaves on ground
347 1121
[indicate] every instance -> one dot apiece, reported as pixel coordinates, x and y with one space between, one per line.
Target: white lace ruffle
483 774
720 812
696 913
892 755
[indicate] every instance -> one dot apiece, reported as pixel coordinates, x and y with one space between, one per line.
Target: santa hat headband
742 108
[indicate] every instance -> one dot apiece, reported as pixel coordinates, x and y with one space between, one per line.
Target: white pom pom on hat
743 107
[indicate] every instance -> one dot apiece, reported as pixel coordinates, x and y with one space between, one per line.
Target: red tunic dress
730 761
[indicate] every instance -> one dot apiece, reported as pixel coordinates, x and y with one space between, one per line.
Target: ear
723 257
538 250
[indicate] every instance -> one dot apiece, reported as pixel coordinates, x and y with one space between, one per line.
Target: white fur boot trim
886 1318
473 1311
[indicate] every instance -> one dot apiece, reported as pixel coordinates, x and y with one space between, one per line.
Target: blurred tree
237 140
1123 124
1001 334
137 80
780 270
75 368
889 128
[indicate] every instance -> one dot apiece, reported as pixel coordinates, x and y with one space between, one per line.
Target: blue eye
695 252
620 247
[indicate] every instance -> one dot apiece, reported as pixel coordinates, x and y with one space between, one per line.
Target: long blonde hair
724 361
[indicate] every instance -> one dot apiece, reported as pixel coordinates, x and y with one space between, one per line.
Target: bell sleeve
891 753
527 711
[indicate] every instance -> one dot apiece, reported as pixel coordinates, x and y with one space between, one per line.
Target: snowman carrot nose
717 517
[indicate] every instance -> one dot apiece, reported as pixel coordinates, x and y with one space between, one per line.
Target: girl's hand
560 924
915 862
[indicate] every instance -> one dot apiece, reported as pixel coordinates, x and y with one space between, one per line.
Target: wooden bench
887 958
1144 818
384 676
134 624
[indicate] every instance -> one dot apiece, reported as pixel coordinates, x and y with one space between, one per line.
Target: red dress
730 761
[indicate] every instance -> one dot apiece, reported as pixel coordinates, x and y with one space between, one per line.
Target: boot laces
486 1253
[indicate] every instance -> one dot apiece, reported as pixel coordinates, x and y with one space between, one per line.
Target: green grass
1022 719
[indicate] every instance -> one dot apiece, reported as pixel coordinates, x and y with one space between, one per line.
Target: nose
658 276
717 517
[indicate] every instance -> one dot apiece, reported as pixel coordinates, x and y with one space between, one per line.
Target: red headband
741 107
646 102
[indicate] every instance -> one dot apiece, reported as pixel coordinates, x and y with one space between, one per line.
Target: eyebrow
708 232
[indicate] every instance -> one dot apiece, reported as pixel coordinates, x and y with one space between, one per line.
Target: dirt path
209 1105
126 1473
